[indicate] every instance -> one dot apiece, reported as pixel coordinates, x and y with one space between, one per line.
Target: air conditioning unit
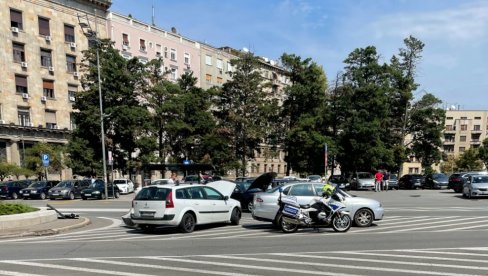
72 99
25 96
50 68
43 98
2 122
48 38
125 47
14 29
75 74
23 64
72 45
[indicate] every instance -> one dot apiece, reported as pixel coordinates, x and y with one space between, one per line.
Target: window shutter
44 26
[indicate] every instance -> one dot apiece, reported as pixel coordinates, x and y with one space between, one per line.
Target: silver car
476 185
363 210
362 180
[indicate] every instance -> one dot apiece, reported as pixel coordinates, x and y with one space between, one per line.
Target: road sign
186 162
45 159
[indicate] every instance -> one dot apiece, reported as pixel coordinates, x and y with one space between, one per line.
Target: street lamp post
92 36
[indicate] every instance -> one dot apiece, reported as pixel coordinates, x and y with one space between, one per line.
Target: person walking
378 180
386 178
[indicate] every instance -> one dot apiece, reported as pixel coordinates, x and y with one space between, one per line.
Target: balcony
475 142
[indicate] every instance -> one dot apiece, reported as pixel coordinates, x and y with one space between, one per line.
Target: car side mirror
226 197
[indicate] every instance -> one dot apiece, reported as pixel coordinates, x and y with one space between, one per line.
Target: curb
47 232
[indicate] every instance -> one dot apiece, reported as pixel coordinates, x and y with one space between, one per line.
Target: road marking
329 265
446 253
12 273
270 268
437 226
462 228
402 224
132 264
417 257
409 221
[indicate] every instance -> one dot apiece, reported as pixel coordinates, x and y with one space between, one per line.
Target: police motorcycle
314 215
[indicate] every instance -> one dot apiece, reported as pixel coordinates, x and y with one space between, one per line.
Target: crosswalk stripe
436 226
409 224
409 221
12 273
417 257
462 228
270 268
446 253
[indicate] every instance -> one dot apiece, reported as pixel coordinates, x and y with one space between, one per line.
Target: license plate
55 194
87 194
147 214
26 194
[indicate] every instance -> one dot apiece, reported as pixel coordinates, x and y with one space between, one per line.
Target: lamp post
92 36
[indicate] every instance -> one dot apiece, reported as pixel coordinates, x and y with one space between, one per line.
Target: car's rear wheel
187 224
71 196
15 195
117 194
363 218
250 206
235 217
102 196
43 196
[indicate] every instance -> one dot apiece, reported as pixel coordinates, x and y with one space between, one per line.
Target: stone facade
38 40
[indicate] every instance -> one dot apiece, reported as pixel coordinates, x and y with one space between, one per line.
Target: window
196 193
46 58
477 118
208 78
477 127
125 39
449 128
220 64
462 149
71 63
449 118
44 26
51 119
174 73
187 58
182 194
462 138
72 124
464 118
19 53
21 84
165 52
302 190
48 88
142 45
72 89
220 81
173 54
150 45
23 114
257 167
464 127
208 60
212 194
69 33
16 19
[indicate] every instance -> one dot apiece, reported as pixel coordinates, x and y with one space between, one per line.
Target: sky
454 64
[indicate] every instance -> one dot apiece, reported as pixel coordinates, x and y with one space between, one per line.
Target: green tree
243 108
6 169
469 161
303 111
483 152
449 165
33 160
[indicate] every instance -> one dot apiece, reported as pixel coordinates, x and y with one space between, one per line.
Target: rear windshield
364 175
153 193
440 176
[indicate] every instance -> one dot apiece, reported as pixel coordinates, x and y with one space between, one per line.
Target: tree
468 161
242 110
303 112
6 169
449 165
483 152
34 163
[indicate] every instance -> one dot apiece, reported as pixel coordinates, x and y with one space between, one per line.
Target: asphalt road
424 232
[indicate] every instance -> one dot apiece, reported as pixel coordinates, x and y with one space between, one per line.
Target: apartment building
215 65
464 129
41 49
144 41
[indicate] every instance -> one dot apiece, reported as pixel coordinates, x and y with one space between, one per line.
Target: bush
15 208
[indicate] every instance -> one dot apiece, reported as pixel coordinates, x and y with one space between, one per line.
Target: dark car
69 189
245 190
97 190
393 182
38 189
436 181
340 181
410 181
11 189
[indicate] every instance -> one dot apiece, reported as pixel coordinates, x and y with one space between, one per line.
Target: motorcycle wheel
288 227
341 223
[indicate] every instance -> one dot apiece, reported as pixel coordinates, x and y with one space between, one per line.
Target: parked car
38 189
457 180
340 181
476 185
244 191
191 179
393 182
410 181
162 181
314 178
436 181
362 180
363 210
185 206
97 190
11 189
69 189
125 185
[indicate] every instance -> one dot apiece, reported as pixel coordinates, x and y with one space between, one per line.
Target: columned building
41 48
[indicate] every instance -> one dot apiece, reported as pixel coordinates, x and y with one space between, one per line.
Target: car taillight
259 200
169 200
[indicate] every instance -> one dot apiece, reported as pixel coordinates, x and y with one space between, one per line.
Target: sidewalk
47 228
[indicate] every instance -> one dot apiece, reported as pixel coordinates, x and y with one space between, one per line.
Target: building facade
41 46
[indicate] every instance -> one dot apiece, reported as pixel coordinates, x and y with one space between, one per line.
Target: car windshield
480 179
37 185
364 175
393 177
153 193
314 177
120 181
274 189
440 177
338 179
65 184
97 185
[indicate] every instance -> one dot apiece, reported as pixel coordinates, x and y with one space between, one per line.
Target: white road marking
446 253
12 273
417 257
437 226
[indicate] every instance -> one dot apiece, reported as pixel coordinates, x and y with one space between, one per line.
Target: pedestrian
174 177
386 178
378 179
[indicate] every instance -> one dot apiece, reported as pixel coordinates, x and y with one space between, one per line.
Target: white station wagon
185 206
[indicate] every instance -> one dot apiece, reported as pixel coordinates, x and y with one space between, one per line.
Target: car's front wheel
363 218
43 196
235 217
117 194
187 224
71 196
15 195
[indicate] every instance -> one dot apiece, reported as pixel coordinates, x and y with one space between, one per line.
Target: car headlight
33 192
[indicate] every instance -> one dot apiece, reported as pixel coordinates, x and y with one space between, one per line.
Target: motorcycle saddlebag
290 211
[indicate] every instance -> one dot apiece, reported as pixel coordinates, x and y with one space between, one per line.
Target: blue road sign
186 162
45 159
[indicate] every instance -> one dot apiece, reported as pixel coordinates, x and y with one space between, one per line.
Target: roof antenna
153 13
